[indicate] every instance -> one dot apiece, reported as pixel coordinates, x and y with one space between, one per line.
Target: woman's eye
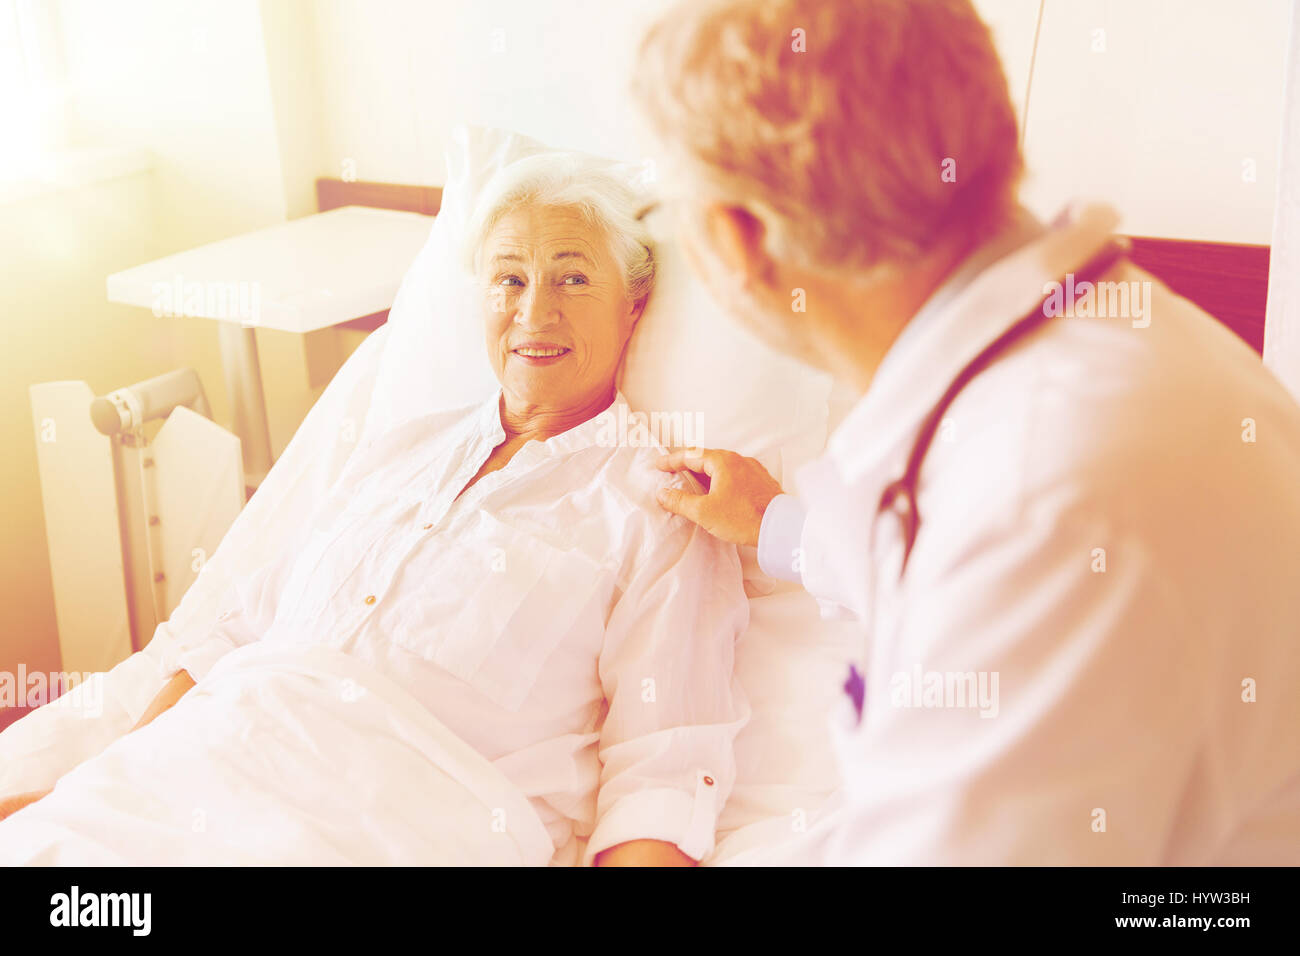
510 280
575 279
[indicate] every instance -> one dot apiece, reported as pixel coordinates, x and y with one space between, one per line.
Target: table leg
243 375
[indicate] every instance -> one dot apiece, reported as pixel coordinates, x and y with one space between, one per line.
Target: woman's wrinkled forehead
532 235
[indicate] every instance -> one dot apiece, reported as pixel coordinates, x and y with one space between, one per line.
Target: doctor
1065 507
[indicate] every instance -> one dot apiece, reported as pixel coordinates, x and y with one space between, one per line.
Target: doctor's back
1092 655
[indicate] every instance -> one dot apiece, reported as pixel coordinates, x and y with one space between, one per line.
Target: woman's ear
638 309
634 309
634 313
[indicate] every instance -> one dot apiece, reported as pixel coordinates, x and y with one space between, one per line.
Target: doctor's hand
737 490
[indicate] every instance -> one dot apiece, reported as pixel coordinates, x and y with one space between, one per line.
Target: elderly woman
510 567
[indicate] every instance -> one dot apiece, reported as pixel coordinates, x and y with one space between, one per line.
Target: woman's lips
541 355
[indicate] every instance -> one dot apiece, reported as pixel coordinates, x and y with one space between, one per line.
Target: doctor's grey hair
570 181
859 133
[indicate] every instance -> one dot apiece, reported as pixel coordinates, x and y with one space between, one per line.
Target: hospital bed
687 356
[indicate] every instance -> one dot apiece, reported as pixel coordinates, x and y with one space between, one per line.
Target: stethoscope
900 495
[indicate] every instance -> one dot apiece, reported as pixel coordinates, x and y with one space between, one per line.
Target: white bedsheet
785 769
296 756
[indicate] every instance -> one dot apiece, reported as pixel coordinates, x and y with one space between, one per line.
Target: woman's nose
537 310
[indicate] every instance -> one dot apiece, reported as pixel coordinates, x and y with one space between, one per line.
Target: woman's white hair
570 181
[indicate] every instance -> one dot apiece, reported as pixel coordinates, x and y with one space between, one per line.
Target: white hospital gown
554 616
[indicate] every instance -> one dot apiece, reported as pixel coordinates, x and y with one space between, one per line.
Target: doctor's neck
854 318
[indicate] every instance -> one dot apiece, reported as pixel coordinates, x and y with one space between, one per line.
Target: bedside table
306 274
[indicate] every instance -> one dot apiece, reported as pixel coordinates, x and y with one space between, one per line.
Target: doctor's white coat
1092 657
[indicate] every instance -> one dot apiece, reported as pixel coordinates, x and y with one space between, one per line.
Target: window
33 95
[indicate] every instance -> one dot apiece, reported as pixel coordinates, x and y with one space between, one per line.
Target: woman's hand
737 492
11 805
643 853
172 691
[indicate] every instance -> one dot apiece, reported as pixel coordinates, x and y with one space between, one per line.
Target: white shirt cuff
662 813
196 659
779 536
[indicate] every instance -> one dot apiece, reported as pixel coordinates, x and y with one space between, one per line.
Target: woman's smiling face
556 311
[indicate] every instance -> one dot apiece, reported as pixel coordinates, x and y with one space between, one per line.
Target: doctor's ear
737 236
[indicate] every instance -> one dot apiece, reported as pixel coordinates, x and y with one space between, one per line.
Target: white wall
1176 121
1160 123
189 82
223 95
1282 330
398 74
293 77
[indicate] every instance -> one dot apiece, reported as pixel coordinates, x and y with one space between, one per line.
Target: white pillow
686 358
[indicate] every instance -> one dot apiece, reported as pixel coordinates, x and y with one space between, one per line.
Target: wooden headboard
333 193
1227 280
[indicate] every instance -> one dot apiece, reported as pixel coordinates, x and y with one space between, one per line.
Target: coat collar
997 284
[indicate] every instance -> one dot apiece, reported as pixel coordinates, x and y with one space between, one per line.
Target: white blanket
293 756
